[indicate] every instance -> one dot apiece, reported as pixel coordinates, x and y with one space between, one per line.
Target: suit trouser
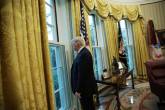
87 103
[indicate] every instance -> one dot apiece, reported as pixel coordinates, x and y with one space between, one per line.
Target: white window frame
129 43
99 66
65 98
53 25
63 86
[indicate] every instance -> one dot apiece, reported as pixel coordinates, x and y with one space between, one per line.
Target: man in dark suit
82 75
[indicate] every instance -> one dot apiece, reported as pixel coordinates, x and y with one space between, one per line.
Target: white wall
156 12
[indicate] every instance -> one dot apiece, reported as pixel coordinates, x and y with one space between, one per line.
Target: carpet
139 98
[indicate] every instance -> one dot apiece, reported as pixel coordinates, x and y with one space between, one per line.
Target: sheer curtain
140 48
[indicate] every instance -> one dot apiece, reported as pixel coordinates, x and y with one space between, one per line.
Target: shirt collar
80 49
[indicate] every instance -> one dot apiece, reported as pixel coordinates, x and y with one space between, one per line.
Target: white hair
78 39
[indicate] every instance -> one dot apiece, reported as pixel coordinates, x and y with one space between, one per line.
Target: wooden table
116 80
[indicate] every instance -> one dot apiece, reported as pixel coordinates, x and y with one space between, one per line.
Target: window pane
92 30
98 67
49 1
91 20
130 57
55 79
48 10
122 24
59 56
49 19
60 77
130 34
50 33
48 14
124 35
126 31
58 100
95 63
60 74
53 57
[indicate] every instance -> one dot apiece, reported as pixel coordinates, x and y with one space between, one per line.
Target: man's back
82 74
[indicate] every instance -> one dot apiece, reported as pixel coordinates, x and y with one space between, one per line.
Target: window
97 56
58 60
60 76
51 20
93 30
126 32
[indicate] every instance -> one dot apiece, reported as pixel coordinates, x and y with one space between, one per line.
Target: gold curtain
116 11
132 12
102 8
1 92
25 62
141 53
75 4
89 4
111 38
105 9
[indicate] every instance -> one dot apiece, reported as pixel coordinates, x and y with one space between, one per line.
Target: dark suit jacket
82 74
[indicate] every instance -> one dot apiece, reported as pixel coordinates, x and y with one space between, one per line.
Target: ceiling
134 1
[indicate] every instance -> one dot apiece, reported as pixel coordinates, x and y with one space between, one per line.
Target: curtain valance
105 9
132 12
102 8
89 4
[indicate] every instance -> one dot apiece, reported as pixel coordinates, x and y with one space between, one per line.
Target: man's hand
78 94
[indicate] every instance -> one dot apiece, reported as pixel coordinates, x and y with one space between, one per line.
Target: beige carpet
139 98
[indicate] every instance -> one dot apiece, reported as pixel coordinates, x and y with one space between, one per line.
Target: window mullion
49 5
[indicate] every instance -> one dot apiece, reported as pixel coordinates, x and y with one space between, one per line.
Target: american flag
83 30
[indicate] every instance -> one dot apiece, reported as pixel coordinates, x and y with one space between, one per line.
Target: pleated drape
89 4
132 12
102 8
116 11
105 9
75 4
141 53
111 38
1 92
25 62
